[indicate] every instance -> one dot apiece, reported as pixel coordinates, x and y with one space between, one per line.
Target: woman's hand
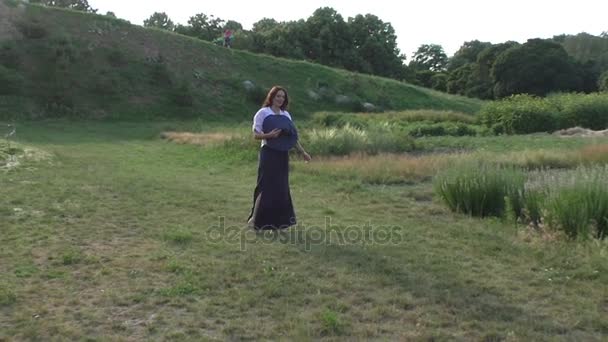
274 133
306 157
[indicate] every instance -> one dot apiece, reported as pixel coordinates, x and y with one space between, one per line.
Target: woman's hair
272 93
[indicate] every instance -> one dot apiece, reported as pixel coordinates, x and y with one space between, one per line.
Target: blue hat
288 137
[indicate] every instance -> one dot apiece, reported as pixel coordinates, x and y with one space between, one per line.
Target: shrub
602 82
478 189
585 110
441 129
519 114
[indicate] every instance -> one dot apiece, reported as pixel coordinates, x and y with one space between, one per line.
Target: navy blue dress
272 206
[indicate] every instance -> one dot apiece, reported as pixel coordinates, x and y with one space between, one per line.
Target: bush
478 189
584 110
441 129
602 82
519 114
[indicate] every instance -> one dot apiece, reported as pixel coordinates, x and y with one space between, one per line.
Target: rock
342 99
248 85
369 107
313 95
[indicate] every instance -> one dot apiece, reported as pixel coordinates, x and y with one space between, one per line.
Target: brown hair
272 93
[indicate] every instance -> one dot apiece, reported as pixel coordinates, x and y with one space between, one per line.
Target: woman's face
279 98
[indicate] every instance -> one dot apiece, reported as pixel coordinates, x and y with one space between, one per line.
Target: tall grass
350 139
575 202
478 189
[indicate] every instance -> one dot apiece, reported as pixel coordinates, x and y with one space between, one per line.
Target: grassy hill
57 63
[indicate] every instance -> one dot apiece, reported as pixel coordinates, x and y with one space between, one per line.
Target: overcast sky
444 22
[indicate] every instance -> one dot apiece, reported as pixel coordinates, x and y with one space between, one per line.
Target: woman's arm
260 136
302 151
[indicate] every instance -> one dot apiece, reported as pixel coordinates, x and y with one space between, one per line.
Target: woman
272 207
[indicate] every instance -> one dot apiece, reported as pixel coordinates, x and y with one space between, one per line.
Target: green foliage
457 129
468 53
585 110
537 67
478 189
602 82
160 20
439 81
77 5
519 114
430 57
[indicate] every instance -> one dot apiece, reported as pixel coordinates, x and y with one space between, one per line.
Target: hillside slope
56 63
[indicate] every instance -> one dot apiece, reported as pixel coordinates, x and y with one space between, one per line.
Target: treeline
363 43
538 67
366 44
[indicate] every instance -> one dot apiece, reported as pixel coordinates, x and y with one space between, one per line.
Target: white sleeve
258 120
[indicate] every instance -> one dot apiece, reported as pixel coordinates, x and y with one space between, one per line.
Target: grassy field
116 234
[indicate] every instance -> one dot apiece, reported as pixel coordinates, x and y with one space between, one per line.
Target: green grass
122 235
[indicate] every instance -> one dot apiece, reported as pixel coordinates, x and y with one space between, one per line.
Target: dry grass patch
384 168
581 132
203 139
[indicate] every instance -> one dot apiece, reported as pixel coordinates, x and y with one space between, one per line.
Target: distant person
228 38
272 206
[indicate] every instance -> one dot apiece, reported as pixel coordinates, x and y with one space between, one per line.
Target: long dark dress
272 206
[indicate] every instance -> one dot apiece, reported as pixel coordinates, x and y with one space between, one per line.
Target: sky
443 22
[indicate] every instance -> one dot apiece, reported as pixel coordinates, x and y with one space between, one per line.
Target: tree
467 54
111 14
375 47
205 27
233 25
265 24
330 37
160 20
78 5
430 57
536 67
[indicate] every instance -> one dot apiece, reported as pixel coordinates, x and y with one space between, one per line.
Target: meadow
114 230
